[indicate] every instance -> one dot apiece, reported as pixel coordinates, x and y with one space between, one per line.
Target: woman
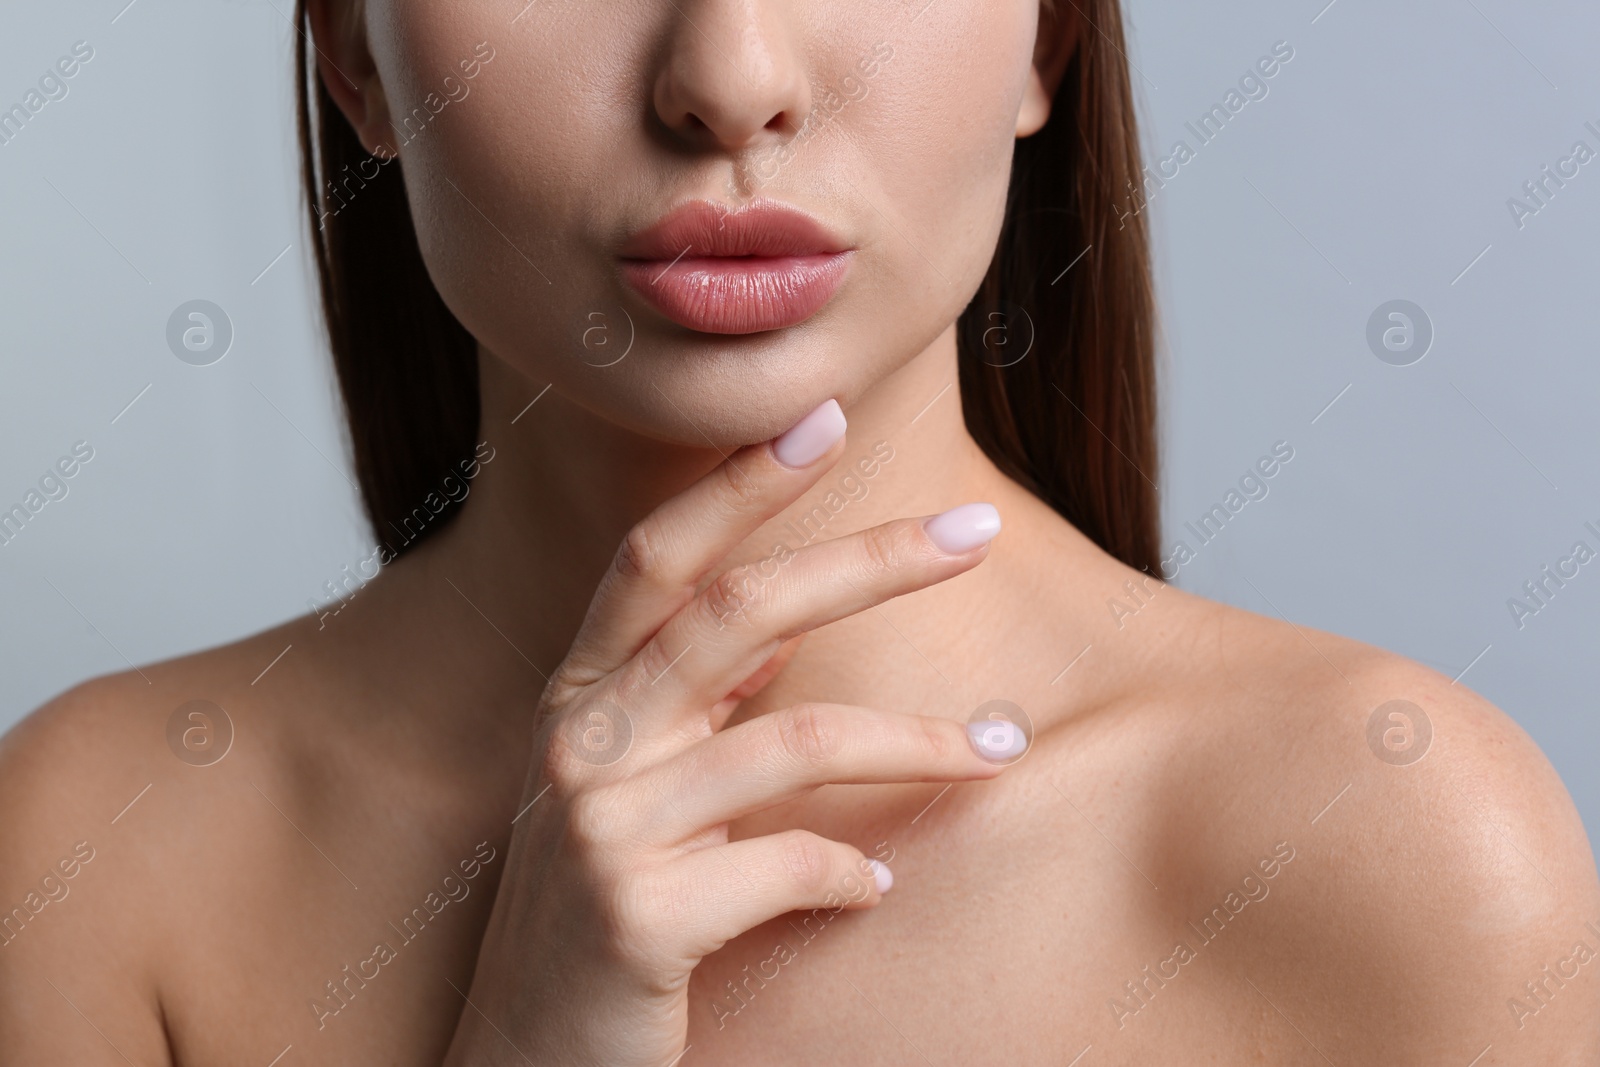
879 739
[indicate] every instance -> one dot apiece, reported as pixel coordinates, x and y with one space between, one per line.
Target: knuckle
649 664
884 549
619 916
937 740
729 595
574 757
559 765
648 903
739 490
806 859
566 682
592 824
809 734
642 918
624 910
640 556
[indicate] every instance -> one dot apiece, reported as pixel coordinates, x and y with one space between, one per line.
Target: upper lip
762 228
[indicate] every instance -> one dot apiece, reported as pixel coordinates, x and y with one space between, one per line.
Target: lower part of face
535 144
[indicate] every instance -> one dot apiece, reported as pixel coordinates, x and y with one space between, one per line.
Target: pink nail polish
963 528
807 440
997 741
882 876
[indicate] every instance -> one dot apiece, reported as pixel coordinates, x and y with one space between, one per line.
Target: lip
763 267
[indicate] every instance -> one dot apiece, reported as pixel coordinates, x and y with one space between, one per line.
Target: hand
620 877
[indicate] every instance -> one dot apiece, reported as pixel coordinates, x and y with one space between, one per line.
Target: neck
546 513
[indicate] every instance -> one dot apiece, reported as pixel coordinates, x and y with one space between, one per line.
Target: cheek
508 187
929 149
945 106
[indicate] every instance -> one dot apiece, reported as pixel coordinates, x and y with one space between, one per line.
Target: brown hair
1073 420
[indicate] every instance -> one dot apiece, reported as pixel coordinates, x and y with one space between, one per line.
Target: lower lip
738 294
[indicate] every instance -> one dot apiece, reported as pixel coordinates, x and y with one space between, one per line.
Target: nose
732 76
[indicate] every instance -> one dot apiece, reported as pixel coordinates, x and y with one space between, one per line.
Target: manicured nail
882 876
807 440
963 528
997 740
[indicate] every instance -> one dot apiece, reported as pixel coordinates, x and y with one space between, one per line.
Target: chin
630 367
697 390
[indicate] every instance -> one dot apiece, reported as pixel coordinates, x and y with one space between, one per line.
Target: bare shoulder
67 772
82 757
107 811
1441 898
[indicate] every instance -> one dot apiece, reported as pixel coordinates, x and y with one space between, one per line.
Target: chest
1021 929
1018 931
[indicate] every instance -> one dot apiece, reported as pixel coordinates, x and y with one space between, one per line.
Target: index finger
665 555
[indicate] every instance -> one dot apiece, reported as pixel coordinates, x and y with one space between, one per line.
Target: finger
714 894
602 731
778 757
757 681
742 616
664 557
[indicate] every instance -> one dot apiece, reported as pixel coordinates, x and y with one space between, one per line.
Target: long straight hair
1073 419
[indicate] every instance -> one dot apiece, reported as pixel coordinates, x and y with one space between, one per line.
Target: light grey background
1378 166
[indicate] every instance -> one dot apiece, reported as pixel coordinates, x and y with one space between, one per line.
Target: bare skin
1186 748
1191 764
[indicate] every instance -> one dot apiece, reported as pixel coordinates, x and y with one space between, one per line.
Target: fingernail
805 442
963 528
882 876
997 740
